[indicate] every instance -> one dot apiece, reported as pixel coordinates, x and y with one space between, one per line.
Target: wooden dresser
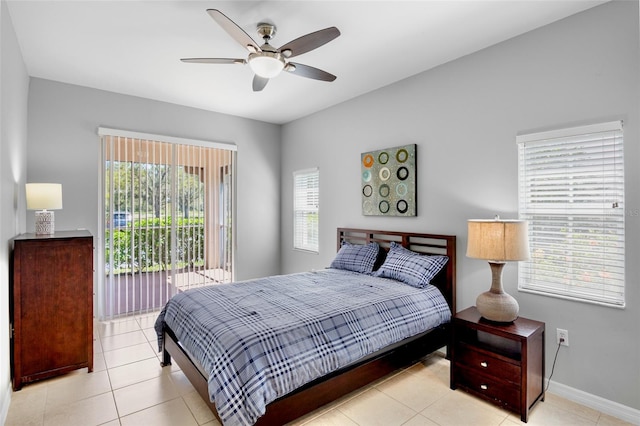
501 363
51 304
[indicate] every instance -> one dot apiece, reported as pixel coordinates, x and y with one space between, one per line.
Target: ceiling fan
266 61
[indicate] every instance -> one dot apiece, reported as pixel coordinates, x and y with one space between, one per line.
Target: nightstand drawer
494 390
474 359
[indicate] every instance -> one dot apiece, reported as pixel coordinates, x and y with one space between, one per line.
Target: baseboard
611 408
5 401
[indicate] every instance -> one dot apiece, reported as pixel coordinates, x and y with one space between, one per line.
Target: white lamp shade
44 196
498 240
266 64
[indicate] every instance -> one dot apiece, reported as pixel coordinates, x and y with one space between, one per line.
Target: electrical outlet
562 337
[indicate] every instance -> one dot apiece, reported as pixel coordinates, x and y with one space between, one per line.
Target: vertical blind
168 209
306 200
571 190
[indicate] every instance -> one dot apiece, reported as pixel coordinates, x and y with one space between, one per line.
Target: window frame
305 232
562 218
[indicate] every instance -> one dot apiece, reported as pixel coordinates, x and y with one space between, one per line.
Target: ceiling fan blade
234 30
310 72
309 42
259 83
213 61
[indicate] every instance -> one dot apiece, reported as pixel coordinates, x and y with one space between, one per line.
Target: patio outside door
168 210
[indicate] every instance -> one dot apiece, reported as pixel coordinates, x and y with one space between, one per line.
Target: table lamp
498 241
44 197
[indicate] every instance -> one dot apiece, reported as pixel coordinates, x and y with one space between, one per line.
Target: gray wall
14 86
464 117
63 147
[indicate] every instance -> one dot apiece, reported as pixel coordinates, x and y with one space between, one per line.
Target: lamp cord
553 367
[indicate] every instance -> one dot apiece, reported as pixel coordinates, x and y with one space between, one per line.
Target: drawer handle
484 364
484 387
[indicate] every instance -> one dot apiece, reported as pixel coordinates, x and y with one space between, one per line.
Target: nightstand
501 363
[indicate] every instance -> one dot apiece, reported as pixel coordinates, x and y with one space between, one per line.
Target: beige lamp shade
498 239
44 196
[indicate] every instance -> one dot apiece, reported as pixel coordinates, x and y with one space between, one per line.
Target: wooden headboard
428 244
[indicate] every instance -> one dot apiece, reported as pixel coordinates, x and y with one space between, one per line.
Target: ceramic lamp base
44 222
495 304
497 307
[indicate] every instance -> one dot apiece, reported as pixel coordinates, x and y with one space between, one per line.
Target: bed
187 324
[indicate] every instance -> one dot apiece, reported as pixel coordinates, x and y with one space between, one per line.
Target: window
571 190
168 215
306 198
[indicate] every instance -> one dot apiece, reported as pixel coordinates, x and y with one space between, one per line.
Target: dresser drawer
474 359
499 392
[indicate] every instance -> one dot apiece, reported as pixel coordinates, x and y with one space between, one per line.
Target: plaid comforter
261 339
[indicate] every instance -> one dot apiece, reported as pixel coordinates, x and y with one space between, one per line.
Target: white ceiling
134 47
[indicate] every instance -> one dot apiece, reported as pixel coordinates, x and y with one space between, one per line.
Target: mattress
261 339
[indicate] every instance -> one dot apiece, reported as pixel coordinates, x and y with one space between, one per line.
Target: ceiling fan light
266 64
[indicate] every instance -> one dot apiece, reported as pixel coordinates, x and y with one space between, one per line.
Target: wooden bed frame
339 383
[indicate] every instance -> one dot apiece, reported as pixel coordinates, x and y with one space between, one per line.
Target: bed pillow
409 267
356 257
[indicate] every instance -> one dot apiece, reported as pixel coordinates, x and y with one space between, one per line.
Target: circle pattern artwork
401 189
388 181
385 174
367 207
402 173
368 161
402 155
384 191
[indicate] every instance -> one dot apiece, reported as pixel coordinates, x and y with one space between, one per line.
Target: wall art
388 181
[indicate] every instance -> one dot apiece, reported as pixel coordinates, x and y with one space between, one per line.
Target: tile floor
128 387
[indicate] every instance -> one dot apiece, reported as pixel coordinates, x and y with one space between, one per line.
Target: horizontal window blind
306 200
571 190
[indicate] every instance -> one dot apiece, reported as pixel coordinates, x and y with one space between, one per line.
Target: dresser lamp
44 197
498 241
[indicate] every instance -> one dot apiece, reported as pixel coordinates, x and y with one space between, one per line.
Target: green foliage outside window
146 246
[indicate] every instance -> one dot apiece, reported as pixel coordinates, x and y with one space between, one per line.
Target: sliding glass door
168 209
